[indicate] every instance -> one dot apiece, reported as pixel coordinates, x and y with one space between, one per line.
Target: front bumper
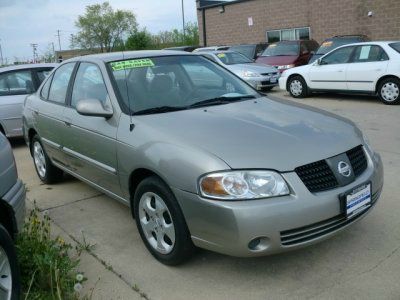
15 198
229 226
260 83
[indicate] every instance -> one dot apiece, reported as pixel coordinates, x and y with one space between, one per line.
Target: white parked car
370 68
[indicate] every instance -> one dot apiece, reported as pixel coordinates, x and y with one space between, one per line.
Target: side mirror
93 108
305 52
312 52
319 61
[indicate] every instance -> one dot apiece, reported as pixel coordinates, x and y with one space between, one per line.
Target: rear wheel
389 91
297 87
46 171
161 223
9 274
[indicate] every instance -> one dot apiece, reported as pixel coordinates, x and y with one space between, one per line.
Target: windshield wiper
158 110
220 100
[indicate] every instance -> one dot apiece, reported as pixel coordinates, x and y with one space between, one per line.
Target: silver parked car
261 77
201 158
12 213
15 83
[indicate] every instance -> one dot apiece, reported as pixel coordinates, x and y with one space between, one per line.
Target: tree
139 40
102 27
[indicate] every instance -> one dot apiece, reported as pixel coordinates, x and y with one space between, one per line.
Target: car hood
262 133
277 60
253 67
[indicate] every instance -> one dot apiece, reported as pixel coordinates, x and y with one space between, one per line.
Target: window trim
69 94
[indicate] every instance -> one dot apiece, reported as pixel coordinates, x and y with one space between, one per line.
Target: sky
23 22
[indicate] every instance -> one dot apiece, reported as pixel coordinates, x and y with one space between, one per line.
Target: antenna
131 125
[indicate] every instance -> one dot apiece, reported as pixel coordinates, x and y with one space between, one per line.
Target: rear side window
88 84
16 83
60 82
369 53
395 46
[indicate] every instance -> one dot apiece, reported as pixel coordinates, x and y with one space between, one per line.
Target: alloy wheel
39 159
390 91
156 222
5 276
296 88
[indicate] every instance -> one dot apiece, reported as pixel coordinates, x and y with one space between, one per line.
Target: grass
49 266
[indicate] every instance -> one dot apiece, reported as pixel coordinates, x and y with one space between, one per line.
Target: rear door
369 63
90 141
50 112
330 74
14 87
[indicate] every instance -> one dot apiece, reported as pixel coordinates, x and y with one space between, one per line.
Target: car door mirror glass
93 108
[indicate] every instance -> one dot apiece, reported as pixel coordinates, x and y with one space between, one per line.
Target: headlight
367 143
285 67
250 74
234 185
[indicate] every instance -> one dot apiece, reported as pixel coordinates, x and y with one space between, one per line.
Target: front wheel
389 91
297 87
10 285
161 223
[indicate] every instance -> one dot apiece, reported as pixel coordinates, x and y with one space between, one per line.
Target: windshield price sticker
132 63
221 55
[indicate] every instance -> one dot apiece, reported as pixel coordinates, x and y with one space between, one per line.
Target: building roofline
222 3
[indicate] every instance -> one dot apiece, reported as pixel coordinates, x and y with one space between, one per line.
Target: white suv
370 68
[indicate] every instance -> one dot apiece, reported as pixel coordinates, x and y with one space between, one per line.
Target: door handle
67 122
340 71
378 70
36 112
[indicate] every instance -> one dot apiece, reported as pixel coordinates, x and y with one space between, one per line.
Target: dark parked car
12 213
183 48
250 50
337 41
288 54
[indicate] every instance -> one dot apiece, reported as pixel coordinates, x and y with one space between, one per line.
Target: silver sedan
15 83
261 77
200 157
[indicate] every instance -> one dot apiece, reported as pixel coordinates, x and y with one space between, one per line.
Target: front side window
282 49
339 56
60 82
175 82
369 53
88 84
16 83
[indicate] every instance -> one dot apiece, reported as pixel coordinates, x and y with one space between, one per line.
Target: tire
389 91
10 283
46 171
297 87
161 223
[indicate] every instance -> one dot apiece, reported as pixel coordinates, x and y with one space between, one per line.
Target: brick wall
326 18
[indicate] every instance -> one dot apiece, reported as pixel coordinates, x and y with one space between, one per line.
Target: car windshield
333 44
162 84
233 58
282 49
247 50
395 46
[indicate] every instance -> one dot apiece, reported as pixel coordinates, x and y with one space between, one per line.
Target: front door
91 141
330 73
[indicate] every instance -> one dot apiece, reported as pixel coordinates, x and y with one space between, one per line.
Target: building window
288 34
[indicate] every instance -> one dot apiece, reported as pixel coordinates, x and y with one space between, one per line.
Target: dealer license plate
357 200
273 79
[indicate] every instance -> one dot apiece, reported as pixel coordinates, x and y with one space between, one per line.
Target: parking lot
363 262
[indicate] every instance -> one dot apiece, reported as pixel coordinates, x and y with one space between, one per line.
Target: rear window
329 45
395 46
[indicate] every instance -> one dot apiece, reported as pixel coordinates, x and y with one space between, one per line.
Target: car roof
27 66
115 56
379 43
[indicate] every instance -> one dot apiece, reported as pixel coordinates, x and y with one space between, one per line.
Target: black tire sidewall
8 246
304 91
393 80
183 247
